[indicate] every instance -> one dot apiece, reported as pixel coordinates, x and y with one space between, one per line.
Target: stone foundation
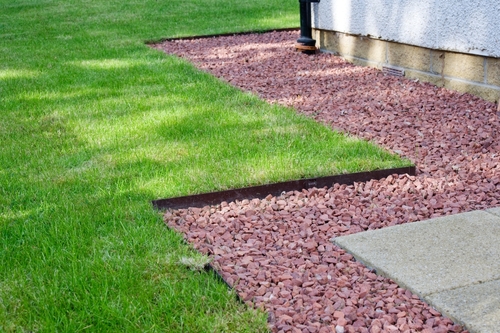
475 74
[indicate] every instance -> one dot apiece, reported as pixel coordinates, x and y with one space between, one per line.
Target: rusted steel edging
171 39
262 191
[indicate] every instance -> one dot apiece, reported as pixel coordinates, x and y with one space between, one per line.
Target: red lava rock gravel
276 252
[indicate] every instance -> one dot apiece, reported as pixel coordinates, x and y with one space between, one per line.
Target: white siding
468 26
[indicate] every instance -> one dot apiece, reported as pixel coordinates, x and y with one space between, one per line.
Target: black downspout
306 44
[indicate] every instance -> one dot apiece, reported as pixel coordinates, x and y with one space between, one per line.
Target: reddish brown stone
285 241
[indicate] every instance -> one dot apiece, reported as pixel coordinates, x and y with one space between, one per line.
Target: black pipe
306 43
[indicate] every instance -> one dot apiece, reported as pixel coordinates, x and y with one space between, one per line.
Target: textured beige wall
475 74
461 26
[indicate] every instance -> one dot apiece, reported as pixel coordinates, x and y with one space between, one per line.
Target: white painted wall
468 26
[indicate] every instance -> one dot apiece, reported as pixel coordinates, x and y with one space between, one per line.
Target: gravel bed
277 252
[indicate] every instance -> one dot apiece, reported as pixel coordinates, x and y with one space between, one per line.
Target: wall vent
393 71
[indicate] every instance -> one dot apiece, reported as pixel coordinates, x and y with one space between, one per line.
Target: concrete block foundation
475 74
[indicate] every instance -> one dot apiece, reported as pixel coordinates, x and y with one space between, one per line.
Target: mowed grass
94 125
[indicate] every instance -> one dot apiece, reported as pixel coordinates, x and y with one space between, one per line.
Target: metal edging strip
260 192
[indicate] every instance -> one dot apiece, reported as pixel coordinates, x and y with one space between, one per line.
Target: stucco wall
467 26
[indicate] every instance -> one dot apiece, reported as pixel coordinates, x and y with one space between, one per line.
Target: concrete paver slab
451 262
435 255
494 211
473 306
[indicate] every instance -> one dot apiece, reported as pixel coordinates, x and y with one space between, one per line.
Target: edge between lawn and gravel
275 189
276 251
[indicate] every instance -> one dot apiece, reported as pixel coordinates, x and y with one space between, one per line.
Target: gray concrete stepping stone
476 306
442 260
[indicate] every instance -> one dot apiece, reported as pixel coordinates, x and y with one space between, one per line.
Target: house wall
453 43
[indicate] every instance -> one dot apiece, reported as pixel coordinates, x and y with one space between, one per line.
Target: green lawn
94 125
